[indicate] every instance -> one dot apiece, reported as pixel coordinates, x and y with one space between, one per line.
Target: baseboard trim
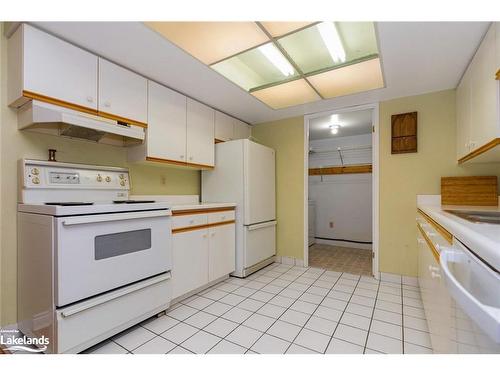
344 243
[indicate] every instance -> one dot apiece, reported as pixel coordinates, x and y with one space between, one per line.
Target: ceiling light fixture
334 129
331 38
277 59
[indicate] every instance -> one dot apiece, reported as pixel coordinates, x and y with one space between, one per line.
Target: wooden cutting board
469 191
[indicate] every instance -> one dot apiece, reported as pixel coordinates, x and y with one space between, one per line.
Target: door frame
375 178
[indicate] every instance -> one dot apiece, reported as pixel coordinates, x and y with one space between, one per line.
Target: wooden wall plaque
469 191
404 133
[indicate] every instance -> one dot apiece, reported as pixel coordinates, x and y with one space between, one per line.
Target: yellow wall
404 176
287 138
15 145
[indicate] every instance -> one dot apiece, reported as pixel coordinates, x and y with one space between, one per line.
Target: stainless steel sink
490 217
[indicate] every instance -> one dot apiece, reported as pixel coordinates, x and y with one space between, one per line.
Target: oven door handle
78 308
91 219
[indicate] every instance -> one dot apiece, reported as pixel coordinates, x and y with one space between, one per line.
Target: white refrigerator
244 174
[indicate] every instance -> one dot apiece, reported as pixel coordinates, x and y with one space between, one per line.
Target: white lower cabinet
221 251
189 261
204 250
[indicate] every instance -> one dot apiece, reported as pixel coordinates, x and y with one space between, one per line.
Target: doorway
341 185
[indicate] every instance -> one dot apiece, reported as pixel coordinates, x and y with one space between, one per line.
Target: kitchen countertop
201 206
481 238
183 202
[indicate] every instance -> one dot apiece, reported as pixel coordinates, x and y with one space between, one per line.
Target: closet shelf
346 169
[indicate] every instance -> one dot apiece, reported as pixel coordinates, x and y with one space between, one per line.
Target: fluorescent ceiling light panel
333 43
210 42
277 59
287 94
351 79
277 29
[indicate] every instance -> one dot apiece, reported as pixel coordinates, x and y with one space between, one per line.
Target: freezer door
259 182
260 242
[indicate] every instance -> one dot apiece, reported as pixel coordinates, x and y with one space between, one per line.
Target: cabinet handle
223 217
212 234
435 275
107 104
205 236
191 221
472 144
90 99
190 158
181 157
433 269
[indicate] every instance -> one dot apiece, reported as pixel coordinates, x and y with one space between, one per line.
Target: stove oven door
98 253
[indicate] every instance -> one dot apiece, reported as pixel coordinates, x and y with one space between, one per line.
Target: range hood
52 119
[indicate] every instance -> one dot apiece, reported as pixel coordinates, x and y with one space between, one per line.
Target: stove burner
132 202
69 203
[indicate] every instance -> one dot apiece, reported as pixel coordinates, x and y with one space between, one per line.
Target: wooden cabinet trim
481 150
349 169
218 140
497 75
202 211
447 235
122 119
204 226
180 163
61 103
435 253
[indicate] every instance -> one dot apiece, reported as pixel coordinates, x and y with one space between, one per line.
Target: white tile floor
288 309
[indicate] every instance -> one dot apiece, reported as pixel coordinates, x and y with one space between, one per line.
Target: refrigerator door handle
261 225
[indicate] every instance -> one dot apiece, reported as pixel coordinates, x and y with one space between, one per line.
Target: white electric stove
91 262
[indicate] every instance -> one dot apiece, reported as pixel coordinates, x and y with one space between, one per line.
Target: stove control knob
35 171
36 180
99 178
108 179
121 176
122 183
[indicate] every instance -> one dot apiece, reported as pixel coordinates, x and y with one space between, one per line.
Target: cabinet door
241 130
221 260
223 126
122 93
166 132
189 261
200 133
463 102
497 47
484 95
57 69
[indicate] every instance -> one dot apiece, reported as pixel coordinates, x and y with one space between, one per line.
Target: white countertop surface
481 238
200 206
183 202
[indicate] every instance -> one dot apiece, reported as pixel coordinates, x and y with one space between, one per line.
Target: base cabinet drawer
189 261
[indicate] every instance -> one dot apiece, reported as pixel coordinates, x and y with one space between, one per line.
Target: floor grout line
371 320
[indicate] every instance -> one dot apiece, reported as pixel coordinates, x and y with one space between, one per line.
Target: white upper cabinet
223 127
200 134
463 102
241 130
166 132
478 104
484 96
122 93
42 65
